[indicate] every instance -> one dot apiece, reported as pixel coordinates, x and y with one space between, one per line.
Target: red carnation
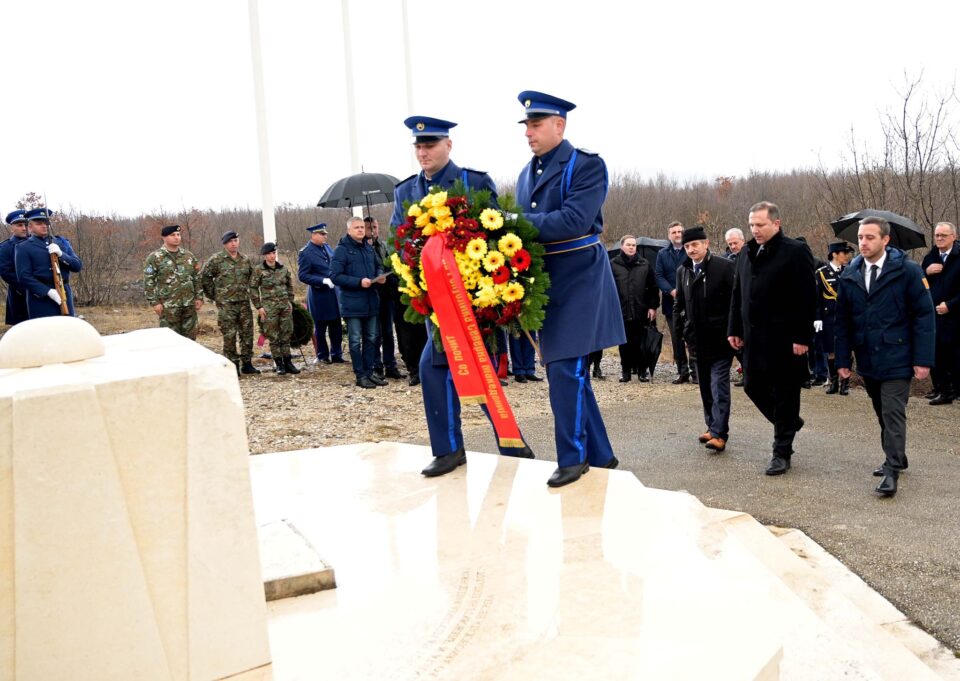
401 231
501 275
421 305
411 221
520 260
456 201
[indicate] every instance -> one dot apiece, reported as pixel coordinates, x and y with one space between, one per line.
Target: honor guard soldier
838 256
171 284
225 279
431 140
16 294
271 292
313 269
35 271
562 190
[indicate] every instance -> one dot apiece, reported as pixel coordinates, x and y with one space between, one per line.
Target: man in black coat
942 267
639 299
771 319
702 311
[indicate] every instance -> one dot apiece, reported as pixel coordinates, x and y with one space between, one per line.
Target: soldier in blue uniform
838 256
16 294
562 190
431 140
35 271
313 269
524 359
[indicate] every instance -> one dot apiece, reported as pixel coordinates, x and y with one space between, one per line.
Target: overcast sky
133 106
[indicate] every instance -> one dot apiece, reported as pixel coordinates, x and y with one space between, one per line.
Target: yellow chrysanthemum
423 220
414 210
470 280
423 282
512 291
484 282
445 224
509 244
433 319
494 260
491 219
440 212
411 290
476 249
429 230
485 297
434 200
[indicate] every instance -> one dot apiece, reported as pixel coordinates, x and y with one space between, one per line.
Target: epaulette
587 152
303 249
412 177
474 170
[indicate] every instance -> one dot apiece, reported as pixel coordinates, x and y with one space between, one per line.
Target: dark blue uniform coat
665 269
891 329
16 294
417 186
313 266
352 262
827 279
36 275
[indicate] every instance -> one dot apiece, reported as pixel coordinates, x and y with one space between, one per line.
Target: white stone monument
128 548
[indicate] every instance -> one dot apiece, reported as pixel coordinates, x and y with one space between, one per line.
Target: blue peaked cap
318 228
540 104
16 216
429 128
39 214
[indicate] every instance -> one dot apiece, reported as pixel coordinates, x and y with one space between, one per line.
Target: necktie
873 277
943 258
696 270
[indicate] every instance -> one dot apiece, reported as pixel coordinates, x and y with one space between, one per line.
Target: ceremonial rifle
55 264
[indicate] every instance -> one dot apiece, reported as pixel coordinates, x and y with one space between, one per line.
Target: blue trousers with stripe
578 426
523 356
442 405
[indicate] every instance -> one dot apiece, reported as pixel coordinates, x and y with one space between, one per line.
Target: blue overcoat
417 186
891 329
36 274
16 294
352 262
583 313
313 266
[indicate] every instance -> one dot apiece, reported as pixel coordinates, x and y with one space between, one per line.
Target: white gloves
53 249
818 326
326 280
52 293
510 216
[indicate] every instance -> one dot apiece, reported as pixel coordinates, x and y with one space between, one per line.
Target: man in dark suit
665 269
702 314
885 317
942 266
771 319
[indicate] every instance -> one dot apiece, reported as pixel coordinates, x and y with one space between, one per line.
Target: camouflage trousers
235 321
183 320
278 326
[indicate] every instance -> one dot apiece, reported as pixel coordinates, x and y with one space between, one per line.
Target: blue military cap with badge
426 129
839 247
16 217
540 105
321 227
39 214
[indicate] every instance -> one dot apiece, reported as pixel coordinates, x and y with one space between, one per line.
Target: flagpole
266 188
351 99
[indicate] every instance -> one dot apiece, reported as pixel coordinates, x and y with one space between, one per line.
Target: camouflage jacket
226 280
270 285
172 278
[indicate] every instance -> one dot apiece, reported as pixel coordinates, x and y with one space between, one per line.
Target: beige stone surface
291 565
126 507
49 340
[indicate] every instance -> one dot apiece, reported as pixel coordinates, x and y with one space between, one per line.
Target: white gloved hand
327 281
53 249
818 326
54 296
510 216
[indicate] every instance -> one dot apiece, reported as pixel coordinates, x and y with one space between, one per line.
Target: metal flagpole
408 73
266 188
351 102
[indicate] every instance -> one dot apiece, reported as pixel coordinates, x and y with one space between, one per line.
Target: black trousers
777 396
679 349
943 372
631 352
890 405
410 338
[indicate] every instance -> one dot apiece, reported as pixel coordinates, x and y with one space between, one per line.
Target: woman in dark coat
639 299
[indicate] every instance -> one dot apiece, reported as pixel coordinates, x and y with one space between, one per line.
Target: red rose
501 275
454 201
521 260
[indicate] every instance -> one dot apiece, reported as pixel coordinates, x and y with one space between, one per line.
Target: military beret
695 233
169 229
227 236
839 247
321 227
540 105
426 129
16 217
39 214
268 247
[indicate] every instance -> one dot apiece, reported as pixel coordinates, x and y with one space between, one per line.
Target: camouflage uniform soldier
171 283
226 281
271 292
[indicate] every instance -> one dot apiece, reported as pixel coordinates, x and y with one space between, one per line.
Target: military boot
281 369
844 386
236 363
247 368
289 365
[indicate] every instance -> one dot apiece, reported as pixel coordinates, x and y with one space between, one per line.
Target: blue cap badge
540 105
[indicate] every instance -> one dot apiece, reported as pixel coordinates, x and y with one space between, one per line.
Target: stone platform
487 573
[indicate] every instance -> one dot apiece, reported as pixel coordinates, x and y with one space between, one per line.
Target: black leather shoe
290 366
337 360
525 453
377 380
878 472
819 382
695 380
248 368
643 377
441 465
414 379
887 486
834 387
625 377
365 382
597 373
378 372
807 384
394 372
613 463
844 386
534 378
520 378
567 474
680 379
778 466
941 399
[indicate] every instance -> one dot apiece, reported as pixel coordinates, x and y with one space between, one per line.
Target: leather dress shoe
930 395
716 444
941 399
365 382
567 474
534 378
705 437
394 372
414 379
680 379
523 453
337 360
887 486
520 378
844 386
441 465
778 465
625 377
612 463
878 472
817 382
807 384
377 380
597 373
694 379
378 372
643 377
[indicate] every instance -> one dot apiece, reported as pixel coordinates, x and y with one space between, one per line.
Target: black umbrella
904 232
647 248
362 189
650 347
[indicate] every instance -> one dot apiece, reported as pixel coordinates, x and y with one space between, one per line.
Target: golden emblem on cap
420 126
526 103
